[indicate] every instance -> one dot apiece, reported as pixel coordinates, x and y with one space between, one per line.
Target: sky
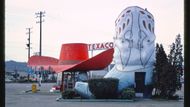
81 21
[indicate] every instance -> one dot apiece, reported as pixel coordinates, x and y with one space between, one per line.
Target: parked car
8 80
182 79
55 88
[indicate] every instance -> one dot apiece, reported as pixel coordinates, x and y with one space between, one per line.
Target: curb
39 92
93 100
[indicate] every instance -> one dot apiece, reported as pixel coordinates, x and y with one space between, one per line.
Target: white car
8 80
182 79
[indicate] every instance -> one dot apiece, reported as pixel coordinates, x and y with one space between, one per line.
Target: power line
40 15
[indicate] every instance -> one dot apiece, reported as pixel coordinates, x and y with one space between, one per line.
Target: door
140 82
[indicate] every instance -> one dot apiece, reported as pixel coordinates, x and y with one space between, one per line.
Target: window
144 24
127 21
123 15
149 26
119 30
142 12
149 16
123 25
128 11
153 29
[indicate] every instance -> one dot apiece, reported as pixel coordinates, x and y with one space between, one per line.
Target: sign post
99 46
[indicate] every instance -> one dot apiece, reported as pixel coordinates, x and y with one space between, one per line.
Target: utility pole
40 15
28 44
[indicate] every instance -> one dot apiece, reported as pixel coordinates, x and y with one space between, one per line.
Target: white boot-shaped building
134 51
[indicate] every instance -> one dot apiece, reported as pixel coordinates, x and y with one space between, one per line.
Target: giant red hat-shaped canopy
73 53
73 57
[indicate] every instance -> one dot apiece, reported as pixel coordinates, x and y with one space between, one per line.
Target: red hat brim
97 62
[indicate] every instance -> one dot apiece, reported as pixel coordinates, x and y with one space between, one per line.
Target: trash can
34 88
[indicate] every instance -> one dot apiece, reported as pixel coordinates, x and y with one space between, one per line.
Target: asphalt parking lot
16 97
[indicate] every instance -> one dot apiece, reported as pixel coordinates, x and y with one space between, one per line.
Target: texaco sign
100 46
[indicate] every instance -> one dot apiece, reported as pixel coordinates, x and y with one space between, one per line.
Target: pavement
16 96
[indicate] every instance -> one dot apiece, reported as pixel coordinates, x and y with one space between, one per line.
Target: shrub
128 93
148 91
174 97
24 81
155 96
104 88
68 94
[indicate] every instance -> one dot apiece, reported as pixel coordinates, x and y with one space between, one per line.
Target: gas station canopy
73 57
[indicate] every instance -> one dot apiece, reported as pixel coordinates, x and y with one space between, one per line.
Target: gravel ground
16 97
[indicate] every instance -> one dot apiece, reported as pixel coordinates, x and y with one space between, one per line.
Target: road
16 97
